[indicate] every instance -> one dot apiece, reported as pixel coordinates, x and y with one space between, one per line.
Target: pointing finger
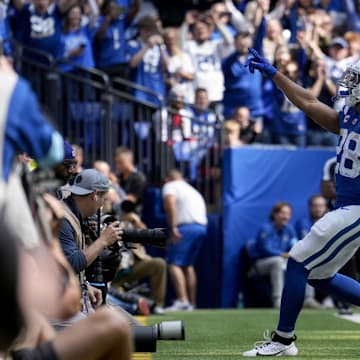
254 53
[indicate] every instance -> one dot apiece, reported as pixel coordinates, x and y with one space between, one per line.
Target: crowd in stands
310 41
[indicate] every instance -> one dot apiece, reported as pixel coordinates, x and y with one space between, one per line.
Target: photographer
85 200
87 192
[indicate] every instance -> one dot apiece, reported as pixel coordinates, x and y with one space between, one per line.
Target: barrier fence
100 113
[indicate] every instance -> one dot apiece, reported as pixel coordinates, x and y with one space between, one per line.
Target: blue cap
69 152
339 41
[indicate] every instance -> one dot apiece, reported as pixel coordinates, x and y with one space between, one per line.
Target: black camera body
154 237
108 262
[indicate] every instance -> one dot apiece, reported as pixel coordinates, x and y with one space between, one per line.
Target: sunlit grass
225 334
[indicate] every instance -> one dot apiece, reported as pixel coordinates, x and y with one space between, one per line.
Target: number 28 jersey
347 170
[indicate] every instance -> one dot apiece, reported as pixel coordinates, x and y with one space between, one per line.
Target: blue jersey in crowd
288 119
303 226
40 31
75 39
347 170
111 49
272 241
149 72
241 87
26 129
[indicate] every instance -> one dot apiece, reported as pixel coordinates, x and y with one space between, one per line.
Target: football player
335 237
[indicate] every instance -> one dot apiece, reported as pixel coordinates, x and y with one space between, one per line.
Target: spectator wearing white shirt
180 71
186 215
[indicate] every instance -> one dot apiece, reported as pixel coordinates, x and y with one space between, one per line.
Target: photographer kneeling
87 192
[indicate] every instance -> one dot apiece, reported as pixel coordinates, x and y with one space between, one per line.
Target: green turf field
225 334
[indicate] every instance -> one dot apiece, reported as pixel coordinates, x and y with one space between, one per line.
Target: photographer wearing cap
86 199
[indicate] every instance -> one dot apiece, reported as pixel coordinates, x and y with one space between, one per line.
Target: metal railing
99 114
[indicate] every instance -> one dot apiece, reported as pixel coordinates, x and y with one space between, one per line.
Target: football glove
260 63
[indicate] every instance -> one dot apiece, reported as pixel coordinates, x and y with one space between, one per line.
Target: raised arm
133 9
322 114
238 20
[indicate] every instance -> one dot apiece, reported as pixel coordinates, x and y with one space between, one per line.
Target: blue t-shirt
347 170
241 87
149 72
26 129
272 241
288 119
42 32
73 40
111 49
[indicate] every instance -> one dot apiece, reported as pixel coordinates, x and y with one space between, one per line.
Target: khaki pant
155 269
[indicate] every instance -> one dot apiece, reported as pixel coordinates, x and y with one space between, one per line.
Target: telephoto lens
145 337
170 330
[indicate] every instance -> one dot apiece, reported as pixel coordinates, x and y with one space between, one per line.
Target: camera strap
85 299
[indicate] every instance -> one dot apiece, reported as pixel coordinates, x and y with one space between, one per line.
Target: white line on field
354 317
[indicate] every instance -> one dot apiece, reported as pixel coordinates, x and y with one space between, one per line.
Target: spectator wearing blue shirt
270 250
323 88
39 24
110 43
148 59
204 128
77 41
241 87
288 126
204 119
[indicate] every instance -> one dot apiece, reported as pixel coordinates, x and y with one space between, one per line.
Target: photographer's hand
108 236
95 296
111 233
260 63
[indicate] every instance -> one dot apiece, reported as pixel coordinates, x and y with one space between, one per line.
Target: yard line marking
354 318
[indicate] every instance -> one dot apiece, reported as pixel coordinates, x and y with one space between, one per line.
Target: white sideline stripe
354 318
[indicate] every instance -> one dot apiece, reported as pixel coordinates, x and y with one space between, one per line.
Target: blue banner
254 178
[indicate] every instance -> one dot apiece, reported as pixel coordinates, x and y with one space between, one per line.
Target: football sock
341 287
286 335
283 340
293 296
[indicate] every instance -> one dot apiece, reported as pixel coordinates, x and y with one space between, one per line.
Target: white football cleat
269 347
